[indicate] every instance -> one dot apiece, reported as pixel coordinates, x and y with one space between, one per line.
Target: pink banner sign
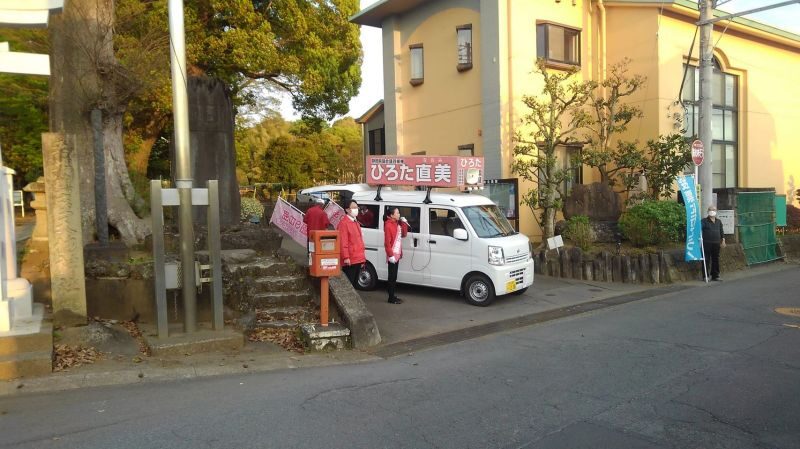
335 213
430 171
290 220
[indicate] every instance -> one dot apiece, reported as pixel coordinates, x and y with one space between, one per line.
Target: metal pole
101 211
183 177
323 301
706 76
157 214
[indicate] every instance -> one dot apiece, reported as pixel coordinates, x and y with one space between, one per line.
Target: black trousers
392 279
712 258
351 271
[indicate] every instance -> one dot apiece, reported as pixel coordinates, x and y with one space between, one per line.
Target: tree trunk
85 75
119 189
549 222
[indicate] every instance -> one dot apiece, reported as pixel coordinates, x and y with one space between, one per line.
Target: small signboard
465 173
555 242
698 152
726 217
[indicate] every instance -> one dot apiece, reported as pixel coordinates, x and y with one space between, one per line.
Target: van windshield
487 221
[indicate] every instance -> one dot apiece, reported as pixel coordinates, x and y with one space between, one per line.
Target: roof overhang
374 15
688 9
376 108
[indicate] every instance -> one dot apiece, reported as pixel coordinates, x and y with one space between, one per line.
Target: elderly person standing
713 239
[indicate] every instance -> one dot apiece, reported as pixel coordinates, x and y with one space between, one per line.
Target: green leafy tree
252 145
307 49
665 158
611 117
334 152
554 119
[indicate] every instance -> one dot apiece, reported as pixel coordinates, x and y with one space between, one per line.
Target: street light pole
183 172
706 105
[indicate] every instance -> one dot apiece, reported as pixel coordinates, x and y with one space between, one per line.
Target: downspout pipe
601 8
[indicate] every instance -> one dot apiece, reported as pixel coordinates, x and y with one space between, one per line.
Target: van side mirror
460 234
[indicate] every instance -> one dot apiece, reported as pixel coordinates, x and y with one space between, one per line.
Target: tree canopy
296 155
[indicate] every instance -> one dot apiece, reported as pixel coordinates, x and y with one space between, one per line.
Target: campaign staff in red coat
394 229
351 243
316 219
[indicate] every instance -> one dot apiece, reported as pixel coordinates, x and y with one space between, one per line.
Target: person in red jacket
351 244
316 219
394 229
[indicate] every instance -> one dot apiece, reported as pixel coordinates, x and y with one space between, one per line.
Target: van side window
368 216
412 214
443 221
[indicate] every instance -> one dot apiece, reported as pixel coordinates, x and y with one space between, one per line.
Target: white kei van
456 241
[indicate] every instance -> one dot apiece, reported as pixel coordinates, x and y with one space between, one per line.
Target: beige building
455 72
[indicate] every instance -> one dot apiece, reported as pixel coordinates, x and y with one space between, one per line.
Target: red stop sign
698 152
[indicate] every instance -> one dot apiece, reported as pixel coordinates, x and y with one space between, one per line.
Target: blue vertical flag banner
694 230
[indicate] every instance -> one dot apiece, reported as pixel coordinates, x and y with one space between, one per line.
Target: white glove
392 260
403 219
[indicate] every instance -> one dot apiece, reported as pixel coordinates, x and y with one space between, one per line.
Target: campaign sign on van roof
431 171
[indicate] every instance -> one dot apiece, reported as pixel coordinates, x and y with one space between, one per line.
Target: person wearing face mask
351 243
713 239
394 229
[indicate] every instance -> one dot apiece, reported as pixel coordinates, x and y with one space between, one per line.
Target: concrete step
295 313
277 299
289 283
26 364
33 342
278 324
263 266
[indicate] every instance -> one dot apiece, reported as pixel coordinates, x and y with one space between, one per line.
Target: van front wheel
367 278
479 290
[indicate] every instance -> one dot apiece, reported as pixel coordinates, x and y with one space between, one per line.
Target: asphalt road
708 367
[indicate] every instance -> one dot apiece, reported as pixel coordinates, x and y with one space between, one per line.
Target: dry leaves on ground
136 333
286 338
65 356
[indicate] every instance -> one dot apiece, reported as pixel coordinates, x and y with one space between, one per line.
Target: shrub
792 217
251 207
579 231
654 223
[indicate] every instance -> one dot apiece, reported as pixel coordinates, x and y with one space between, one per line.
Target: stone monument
64 220
211 126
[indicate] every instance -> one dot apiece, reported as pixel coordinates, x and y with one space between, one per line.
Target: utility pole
706 106
183 176
706 70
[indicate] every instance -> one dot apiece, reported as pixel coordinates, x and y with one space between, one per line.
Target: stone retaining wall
646 268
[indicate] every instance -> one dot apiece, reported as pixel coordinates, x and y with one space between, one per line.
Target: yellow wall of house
519 80
445 111
769 99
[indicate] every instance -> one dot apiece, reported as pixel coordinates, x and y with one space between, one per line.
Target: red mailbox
323 249
323 258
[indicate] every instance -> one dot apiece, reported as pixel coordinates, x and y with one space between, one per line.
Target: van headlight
496 256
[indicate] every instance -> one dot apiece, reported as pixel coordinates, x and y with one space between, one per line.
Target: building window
417 65
376 147
464 48
466 150
724 121
558 44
